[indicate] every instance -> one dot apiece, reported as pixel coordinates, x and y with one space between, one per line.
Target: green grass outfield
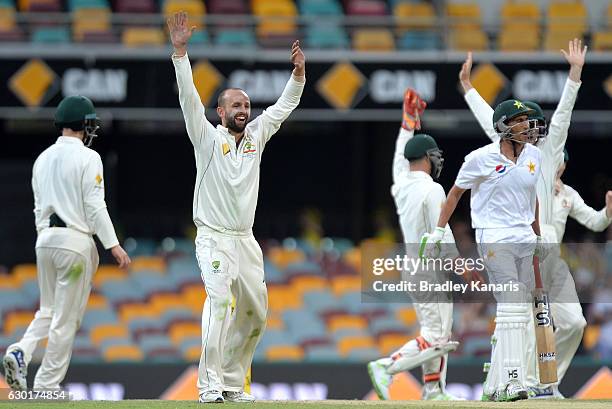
329 404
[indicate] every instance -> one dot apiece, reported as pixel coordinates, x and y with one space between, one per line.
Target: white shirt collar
69 139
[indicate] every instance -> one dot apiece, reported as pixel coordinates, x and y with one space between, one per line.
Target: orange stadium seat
468 39
9 282
182 330
146 34
567 16
102 332
464 15
122 353
347 344
345 283
25 272
416 16
591 336
195 296
128 312
407 315
282 257
162 302
90 20
602 41
373 39
17 319
301 284
285 353
274 321
97 301
108 272
518 40
7 19
195 9
390 343
343 321
353 258
193 353
282 297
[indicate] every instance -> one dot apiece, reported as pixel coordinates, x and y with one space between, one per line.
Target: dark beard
233 126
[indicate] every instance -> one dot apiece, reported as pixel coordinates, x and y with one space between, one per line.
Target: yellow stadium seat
122 353
144 36
195 9
17 319
97 301
275 26
274 321
7 18
609 13
591 336
518 40
557 40
285 353
277 18
602 41
102 332
407 315
464 15
25 272
193 353
373 39
353 258
345 283
195 296
282 257
346 321
9 282
414 16
128 312
468 40
90 20
347 344
164 301
182 330
282 297
390 343
108 273
567 16
308 283
274 8
519 15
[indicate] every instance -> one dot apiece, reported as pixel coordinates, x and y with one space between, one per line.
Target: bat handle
536 272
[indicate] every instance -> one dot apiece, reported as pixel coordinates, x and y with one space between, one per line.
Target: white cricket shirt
227 177
569 203
68 179
503 194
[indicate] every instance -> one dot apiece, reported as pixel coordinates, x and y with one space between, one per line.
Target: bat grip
536 272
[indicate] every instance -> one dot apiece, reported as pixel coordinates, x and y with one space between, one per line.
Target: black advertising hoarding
342 85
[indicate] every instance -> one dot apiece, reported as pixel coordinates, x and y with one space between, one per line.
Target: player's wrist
180 51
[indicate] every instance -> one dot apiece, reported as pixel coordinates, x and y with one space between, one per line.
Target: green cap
537 111
74 110
418 146
507 110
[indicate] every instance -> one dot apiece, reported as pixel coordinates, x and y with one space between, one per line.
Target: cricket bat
545 338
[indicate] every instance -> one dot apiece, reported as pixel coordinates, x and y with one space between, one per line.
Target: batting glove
430 243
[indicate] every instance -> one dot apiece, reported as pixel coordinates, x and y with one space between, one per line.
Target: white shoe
211 397
514 391
238 397
15 370
381 380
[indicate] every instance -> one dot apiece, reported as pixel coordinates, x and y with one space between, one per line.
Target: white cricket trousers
64 279
234 314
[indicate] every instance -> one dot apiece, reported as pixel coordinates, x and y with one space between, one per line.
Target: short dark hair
221 97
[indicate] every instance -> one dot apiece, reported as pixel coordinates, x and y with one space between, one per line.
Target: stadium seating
602 41
373 39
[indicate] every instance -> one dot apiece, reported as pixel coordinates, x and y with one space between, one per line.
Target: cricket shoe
514 391
381 380
413 108
15 370
211 396
548 392
440 396
242 397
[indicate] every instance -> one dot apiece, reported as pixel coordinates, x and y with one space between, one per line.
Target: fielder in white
69 208
567 315
502 177
417 163
225 197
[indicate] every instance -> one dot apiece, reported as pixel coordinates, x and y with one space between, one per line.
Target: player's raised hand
298 59
576 52
180 32
464 74
121 256
609 203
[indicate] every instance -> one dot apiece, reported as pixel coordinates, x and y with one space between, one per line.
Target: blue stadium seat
151 343
31 289
320 301
145 323
178 314
349 332
78 4
273 274
320 8
419 40
326 37
93 318
152 281
118 291
275 337
386 324
189 342
11 300
200 37
476 346
51 35
110 342
236 38
324 353
363 354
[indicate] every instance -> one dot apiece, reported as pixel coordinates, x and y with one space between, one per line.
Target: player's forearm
449 206
575 73
103 228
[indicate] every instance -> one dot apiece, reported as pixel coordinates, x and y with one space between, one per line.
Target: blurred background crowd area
316 311
363 25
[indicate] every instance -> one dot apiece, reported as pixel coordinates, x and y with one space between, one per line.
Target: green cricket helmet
421 145
77 112
537 120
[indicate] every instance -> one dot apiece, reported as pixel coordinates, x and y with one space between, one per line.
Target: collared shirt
503 193
227 179
68 179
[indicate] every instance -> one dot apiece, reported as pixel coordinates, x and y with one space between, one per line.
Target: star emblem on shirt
490 254
98 179
531 167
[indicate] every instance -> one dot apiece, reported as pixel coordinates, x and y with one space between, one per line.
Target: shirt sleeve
401 165
587 216
482 112
95 206
37 209
470 172
560 122
272 117
199 129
